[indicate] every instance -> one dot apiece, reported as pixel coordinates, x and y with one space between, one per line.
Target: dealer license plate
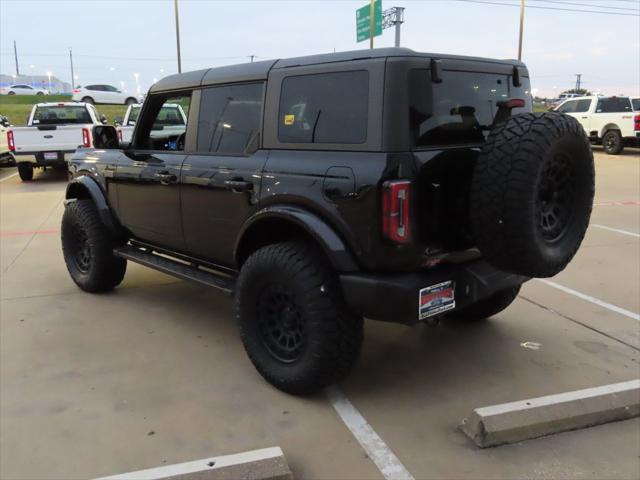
50 155
436 299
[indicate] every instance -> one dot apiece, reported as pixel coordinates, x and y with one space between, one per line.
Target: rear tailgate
49 138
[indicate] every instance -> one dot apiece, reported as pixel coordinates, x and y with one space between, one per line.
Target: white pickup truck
53 133
171 120
609 121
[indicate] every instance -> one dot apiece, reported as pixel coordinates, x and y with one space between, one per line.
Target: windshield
61 115
169 115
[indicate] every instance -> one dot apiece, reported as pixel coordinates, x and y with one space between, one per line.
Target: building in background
36 81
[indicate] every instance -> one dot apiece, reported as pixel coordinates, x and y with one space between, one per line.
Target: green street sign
363 20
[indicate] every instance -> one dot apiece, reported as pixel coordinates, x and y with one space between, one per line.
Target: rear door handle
238 185
584 118
166 178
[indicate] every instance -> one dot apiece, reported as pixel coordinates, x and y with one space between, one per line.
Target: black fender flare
84 183
324 235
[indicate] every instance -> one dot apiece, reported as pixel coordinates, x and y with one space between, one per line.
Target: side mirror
103 119
105 137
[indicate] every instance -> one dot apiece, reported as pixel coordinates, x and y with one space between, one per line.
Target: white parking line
589 298
617 230
378 451
8 177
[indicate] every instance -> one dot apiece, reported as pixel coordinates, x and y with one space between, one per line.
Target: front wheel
293 323
612 142
87 247
130 101
488 307
25 170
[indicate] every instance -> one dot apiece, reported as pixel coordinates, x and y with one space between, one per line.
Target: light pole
49 75
521 29
137 76
175 8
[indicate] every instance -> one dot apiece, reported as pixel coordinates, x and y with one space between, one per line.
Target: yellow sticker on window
289 119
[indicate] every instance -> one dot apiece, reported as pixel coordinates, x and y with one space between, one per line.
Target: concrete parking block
536 417
263 464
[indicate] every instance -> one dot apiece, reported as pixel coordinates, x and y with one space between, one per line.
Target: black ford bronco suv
387 184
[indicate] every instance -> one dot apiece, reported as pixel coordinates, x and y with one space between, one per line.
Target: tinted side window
582 105
613 105
230 118
324 108
568 107
92 87
636 104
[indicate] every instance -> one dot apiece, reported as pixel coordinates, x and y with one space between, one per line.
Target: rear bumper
397 297
37 158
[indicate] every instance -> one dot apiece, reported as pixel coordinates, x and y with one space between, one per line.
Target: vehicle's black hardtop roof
255 71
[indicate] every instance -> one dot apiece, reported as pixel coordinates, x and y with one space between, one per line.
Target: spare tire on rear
532 193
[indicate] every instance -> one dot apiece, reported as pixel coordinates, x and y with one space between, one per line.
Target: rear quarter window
324 108
613 105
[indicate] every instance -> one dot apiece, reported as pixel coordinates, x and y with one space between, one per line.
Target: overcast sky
112 39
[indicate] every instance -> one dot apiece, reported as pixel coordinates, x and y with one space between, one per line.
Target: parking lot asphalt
154 373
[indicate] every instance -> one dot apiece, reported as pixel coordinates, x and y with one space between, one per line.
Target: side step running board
177 269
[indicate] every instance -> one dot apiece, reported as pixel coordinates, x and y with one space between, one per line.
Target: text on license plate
436 299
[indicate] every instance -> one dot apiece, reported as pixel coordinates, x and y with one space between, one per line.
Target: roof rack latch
436 70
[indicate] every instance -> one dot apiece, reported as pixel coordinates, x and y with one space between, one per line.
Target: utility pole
73 77
251 56
398 22
578 81
521 29
175 5
15 52
371 22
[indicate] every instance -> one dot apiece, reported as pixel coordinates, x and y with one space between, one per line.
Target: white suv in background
103 94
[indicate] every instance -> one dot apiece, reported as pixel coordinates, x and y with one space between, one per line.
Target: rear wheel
11 93
612 142
130 101
87 247
489 306
88 100
293 323
40 93
25 170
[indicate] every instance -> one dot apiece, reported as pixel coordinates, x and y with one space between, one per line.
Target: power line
548 8
590 5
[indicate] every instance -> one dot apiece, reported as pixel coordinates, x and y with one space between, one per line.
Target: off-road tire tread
502 183
107 270
338 344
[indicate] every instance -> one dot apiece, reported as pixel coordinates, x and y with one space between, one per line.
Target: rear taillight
636 123
396 202
75 91
10 142
86 137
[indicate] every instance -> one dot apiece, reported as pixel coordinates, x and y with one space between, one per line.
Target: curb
536 417
263 464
